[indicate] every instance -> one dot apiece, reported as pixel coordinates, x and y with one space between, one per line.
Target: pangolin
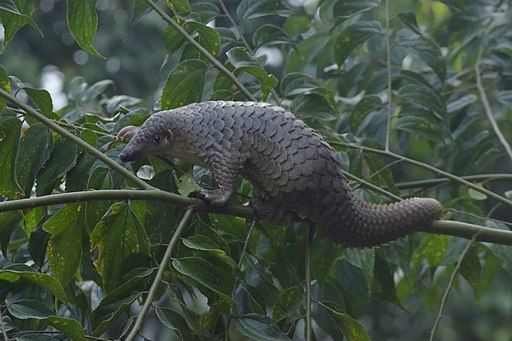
296 173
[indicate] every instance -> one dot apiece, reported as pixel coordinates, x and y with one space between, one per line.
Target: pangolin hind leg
270 211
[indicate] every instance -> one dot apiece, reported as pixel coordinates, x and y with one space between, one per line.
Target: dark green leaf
68 326
122 244
42 99
348 8
207 11
173 320
83 22
4 85
409 20
14 14
423 96
250 9
366 105
364 260
351 37
297 24
32 156
270 35
9 139
351 328
8 222
173 40
178 6
65 246
49 283
289 304
259 327
184 84
62 159
29 309
428 51
207 37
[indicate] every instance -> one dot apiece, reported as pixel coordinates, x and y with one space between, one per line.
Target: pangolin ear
169 134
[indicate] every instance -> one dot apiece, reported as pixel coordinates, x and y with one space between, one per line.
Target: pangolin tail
370 225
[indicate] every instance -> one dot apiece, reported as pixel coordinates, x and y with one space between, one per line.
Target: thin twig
239 268
4 332
438 181
450 283
487 106
388 65
75 139
426 166
307 261
201 49
370 185
163 265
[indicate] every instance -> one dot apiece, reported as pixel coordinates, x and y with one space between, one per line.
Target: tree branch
388 66
161 268
76 140
450 283
307 261
201 49
438 181
426 166
487 107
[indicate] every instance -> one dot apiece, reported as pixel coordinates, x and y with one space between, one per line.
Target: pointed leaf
83 22
353 36
9 140
184 84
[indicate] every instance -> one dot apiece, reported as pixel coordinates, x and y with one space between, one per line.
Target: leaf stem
307 261
4 333
163 265
487 106
388 65
201 49
450 283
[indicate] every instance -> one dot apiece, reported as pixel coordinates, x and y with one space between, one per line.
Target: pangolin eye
156 139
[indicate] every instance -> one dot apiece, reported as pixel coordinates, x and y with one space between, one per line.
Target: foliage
79 269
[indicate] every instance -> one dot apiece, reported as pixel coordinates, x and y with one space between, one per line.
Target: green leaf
178 6
203 243
428 51
172 319
68 326
409 20
14 14
250 9
207 37
289 304
18 271
9 140
31 156
122 244
476 195
351 37
240 58
270 35
42 99
4 85
347 8
184 84
100 178
62 159
297 24
8 222
173 39
423 96
207 275
83 22
366 105
364 260
352 329
65 245
259 327
207 11
109 310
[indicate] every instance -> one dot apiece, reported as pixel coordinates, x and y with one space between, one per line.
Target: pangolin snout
128 154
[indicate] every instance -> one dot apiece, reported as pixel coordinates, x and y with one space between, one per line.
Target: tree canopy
415 96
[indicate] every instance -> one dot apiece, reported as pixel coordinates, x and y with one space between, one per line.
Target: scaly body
295 171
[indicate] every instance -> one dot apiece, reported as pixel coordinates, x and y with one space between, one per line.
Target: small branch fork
161 268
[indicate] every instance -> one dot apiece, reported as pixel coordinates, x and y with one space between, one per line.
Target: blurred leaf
207 11
352 330
476 195
203 243
259 327
207 275
14 14
184 84
461 103
8 222
366 105
251 9
4 85
178 6
423 96
62 159
208 37
173 320
348 8
270 35
122 244
9 140
83 22
65 246
428 51
18 271
297 24
351 37
31 156
364 260
289 304
409 20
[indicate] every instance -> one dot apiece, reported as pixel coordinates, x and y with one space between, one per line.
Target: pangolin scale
296 173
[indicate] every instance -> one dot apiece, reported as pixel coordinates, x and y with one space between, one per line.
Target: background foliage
82 270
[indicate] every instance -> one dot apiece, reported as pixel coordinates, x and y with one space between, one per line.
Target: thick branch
388 67
453 228
429 167
201 49
76 140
